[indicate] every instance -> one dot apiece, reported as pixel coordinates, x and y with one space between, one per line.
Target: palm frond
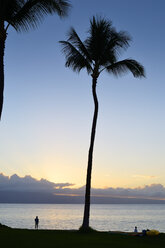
8 9
98 37
76 41
104 42
118 41
99 23
100 51
125 66
32 12
74 58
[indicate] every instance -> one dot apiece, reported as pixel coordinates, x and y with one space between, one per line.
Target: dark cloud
156 191
148 191
30 184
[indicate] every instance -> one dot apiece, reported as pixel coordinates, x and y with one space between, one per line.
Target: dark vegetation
60 239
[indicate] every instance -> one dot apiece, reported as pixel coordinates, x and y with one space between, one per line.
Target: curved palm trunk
85 224
2 48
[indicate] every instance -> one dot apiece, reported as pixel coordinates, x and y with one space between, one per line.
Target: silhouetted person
135 230
36 222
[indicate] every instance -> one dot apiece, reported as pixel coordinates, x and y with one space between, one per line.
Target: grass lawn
46 238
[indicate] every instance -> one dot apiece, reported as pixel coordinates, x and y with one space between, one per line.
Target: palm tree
23 15
98 53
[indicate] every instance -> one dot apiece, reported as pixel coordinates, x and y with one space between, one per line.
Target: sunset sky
48 109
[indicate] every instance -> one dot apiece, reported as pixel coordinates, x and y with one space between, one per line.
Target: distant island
50 198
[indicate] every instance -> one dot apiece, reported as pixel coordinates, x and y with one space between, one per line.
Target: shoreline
76 230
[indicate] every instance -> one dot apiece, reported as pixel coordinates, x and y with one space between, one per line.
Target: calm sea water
110 217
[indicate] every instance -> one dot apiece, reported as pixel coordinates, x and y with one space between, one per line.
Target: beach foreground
62 239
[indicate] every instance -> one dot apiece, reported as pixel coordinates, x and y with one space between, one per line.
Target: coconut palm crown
99 52
23 15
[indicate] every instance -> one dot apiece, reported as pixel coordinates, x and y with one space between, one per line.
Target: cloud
154 191
30 184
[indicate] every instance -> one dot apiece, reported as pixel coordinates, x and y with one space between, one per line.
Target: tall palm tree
98 53
23 15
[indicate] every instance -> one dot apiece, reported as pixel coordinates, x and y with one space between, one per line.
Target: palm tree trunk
2 48
85 224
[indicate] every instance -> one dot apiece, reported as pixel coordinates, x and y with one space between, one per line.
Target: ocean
103 217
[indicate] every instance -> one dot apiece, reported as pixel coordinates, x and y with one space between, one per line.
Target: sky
48 109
